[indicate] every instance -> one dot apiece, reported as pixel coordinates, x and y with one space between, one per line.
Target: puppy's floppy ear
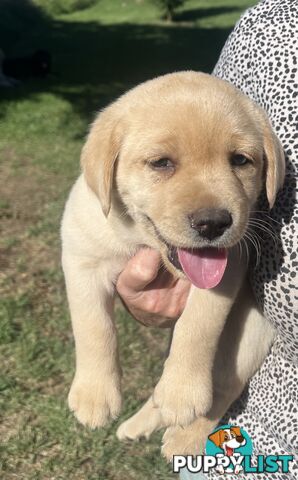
99 154
237 431
217 437
275 161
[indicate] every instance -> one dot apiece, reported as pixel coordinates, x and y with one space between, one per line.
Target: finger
140 270
163 280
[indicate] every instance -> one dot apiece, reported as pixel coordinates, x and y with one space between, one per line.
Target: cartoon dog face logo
228 439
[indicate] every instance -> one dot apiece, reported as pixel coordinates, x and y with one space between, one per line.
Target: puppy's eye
239 160
162 164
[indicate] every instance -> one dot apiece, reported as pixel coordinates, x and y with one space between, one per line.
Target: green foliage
168 7
56 7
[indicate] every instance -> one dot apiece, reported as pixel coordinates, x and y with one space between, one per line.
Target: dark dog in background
15 69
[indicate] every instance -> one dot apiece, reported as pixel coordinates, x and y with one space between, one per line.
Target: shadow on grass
93 63
198 13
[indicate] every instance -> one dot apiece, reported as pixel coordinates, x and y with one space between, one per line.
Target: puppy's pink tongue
204 267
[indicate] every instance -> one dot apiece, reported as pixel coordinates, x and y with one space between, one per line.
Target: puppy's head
187 154
231 437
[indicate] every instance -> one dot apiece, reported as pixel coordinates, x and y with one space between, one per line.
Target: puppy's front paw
141 424
135 428
94 403
182 397
183 441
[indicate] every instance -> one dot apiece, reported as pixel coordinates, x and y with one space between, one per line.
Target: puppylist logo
229 450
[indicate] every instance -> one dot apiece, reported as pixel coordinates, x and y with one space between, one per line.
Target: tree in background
168 7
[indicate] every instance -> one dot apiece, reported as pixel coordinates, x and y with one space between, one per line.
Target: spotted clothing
260 58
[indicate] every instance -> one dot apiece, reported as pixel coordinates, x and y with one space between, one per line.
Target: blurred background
61 61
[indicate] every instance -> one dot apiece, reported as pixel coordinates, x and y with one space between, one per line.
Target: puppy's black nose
210 222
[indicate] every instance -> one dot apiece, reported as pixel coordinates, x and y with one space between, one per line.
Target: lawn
98 53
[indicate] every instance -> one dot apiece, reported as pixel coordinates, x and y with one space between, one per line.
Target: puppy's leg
243 345
95 392
146 421
184 391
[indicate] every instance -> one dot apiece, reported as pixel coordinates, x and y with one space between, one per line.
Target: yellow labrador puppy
176 164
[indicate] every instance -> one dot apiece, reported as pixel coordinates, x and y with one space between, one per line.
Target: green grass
98 52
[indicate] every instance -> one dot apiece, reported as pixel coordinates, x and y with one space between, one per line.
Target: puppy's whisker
260 221
262 227
268 216
255 243
275 239
249 234
239 246
254 233
246 248
265 229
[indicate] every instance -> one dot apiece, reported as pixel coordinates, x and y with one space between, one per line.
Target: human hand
152 295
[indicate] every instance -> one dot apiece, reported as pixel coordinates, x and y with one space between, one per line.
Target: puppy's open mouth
173 257
204 267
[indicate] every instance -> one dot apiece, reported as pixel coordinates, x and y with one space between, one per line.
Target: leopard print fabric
260 58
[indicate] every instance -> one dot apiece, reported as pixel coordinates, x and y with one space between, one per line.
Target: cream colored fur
221 339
